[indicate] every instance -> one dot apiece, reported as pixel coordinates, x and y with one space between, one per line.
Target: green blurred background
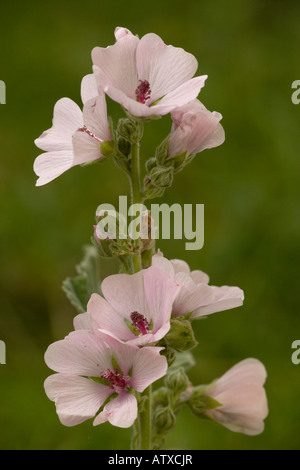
249 186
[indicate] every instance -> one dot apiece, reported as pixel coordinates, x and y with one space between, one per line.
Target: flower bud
130 129
181 336
164 419
177 381
160 397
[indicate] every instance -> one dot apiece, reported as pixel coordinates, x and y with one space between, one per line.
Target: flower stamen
116 379
143 91
139 323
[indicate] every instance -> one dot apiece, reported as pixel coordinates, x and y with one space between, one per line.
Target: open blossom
75 136
194 129
242 397
195 294
146 76
135 308
92 367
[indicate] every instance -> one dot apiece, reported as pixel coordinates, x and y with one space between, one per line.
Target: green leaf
80 288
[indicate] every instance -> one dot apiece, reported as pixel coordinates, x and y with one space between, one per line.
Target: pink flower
93 367
75 136
136 307
194 129
242 396
195 294
144 75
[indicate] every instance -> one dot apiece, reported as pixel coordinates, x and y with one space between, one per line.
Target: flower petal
76 398
95 117
225 298
82 352
186 92
86 148
126 294
89 88
164 67
121 411
106 318
50 165
67 118
115 65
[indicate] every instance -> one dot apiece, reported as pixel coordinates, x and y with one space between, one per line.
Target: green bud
161 151
199 402
124 146
151 163
131 130
107 148
160 397
177 381
181 336
164 419
178 162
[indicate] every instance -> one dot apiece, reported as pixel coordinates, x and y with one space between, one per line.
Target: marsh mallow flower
136 308
194 129
242 397
146 76
75 136
195 295
96 369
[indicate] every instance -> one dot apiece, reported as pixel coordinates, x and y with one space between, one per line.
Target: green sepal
181 335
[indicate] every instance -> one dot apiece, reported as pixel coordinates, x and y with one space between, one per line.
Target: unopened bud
164 419
130 129
181 336
177 381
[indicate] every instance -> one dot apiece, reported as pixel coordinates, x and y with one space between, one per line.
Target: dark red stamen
143 91
139 323
116 379
87 131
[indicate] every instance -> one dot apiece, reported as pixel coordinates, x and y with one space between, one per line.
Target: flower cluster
134 326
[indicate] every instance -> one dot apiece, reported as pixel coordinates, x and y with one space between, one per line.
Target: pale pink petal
130 104
67 118
121 411
214 139
242 396
50 165
83 321
89 88
160 292
76 398
86 148
190 298
115 65
181 95
199 277
148 366
106 318
164 67
164 264
180 266
225 298
121 32
125 293
82 352
95 117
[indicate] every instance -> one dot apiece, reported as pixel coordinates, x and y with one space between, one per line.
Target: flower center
139 323
143 91
87 131
116 379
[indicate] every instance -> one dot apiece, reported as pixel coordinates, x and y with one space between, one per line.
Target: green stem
136 197
145 421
